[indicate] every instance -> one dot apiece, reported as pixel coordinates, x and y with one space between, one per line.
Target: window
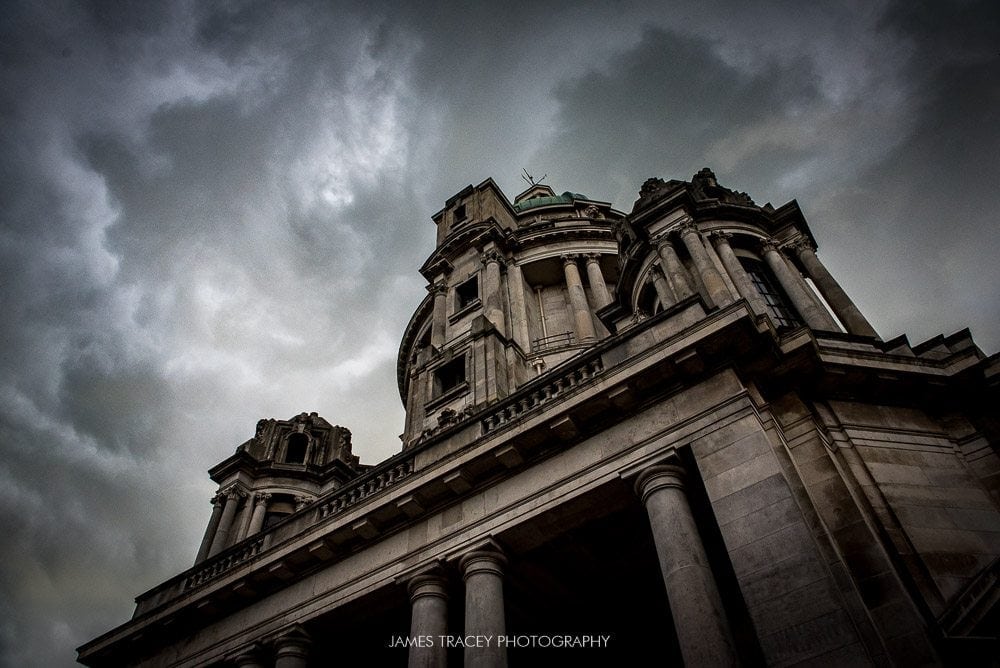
467 294
777 304
295 453
459 213
449 376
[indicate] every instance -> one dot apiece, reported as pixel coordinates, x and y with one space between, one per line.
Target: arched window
778 305
295 453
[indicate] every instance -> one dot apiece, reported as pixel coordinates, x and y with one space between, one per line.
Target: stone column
259 513
226 521
213 525
699 618
492 298
518 308
291 649
440 315
718 293
673 268
482 571
662 287
428 617
834 295
736 272
578 300
598 288
796 289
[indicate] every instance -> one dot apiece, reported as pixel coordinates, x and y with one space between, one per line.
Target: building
668 433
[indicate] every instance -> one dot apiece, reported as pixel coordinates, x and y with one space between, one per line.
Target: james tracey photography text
559 641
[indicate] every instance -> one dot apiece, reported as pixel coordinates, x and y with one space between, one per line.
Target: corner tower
513 289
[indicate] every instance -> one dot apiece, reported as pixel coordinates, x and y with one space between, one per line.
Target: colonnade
673 282
698 614
581 306
223 529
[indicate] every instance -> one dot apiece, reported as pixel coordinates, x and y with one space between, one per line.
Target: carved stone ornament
492 256
438 288
651 187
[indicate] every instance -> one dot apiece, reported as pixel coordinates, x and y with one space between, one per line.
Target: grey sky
214 213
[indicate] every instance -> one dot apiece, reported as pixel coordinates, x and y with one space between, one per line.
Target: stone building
668 433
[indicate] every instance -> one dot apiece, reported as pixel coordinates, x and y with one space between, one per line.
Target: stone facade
669 433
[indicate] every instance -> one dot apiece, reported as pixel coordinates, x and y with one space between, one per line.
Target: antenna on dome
529 179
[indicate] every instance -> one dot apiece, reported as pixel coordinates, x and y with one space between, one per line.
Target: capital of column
661 239
593 258
218 499
569 258
294 642
492 256
482 561
802 245
250 657
687 225
720 236
433 584
768 245
301 502
233 492
655 478
438 288
262 498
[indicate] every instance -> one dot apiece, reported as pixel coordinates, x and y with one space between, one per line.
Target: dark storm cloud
214 212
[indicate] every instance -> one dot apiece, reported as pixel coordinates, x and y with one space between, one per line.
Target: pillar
796 289
834 295
737 273
291 649
440 314
213 525
718 293
259 513
662 286
673 268
518 308
482 571
428 617
598 288
492 298
699 618
226 521
578 300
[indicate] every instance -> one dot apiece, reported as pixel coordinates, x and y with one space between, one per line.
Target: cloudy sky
214 212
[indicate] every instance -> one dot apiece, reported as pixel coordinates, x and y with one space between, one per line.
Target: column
673 268
428 617
482 571
440 314
301 502
699 618
736 272
291 649
662 287
834 295
796 289
213 525
226 521
259 513
578 300
492 299
598 288
518 308
718 293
